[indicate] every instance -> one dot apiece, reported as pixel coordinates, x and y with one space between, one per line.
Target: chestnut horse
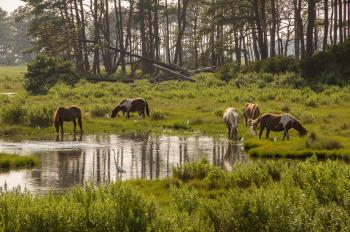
131 105
251 112
278 122
63 114
231 120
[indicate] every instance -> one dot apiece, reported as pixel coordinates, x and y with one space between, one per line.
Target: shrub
100 111
157 115
219 112
13 113
330 66
318 143
275 65
44 72
228 72
41 116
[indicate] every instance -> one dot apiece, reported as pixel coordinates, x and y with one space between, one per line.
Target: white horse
231 120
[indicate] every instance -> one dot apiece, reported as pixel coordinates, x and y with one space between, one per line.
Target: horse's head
115 111
254 125
302 132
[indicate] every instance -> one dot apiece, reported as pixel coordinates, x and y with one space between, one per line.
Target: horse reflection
71 170
234 154
80 138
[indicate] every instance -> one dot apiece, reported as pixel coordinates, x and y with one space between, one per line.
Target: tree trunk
335 21
167 36
310 27
340 22
273 29
326 25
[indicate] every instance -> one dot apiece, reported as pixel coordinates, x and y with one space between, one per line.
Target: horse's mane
56 114
256 121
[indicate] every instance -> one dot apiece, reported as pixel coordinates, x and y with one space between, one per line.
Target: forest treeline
192 34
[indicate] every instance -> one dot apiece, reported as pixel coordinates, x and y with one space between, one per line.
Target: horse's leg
80 122
75 126
128 114
261 131
61 125
228 132
284 135
287 134
267 133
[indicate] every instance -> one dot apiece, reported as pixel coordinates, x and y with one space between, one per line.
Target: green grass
183 108
8 161
260 196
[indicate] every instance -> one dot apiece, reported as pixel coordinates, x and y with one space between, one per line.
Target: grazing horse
231 120
251 112
278 122
63 114
131 105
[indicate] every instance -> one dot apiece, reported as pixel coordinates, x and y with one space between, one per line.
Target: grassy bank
8 161
185 108
269 196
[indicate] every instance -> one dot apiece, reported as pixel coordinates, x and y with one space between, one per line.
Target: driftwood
174 70
179 75
205 69
101 79
172 67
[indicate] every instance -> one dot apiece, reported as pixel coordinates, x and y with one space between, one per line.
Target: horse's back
252 110
230 116
67 114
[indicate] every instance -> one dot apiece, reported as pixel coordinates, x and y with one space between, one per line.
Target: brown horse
131 105
278 122
63 114
251 112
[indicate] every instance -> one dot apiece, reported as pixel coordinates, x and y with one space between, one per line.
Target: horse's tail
80 120
147 109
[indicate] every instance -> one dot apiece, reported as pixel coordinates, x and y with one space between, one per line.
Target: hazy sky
10 5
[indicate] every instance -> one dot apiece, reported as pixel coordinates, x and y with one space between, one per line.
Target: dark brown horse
131 105
63 114
251 112
278 122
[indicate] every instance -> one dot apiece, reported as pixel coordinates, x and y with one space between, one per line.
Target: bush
13 113
318 143
44 72
41 116
219 113
274 65
328 67
228 72
157 115
100 111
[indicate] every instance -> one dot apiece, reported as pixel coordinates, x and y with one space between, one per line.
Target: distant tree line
189 33
14 39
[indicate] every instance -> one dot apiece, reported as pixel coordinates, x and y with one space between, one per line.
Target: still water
100 159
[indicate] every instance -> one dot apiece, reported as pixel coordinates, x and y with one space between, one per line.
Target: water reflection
105 158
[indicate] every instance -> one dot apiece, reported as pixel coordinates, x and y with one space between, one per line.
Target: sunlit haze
10 5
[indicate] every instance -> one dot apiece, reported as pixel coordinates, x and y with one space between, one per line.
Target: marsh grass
13 113
8 161
259 196
41 116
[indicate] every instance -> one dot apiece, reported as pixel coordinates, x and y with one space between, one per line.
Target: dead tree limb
173 72
165 66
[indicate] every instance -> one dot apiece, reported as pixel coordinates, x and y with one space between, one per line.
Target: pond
101 159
